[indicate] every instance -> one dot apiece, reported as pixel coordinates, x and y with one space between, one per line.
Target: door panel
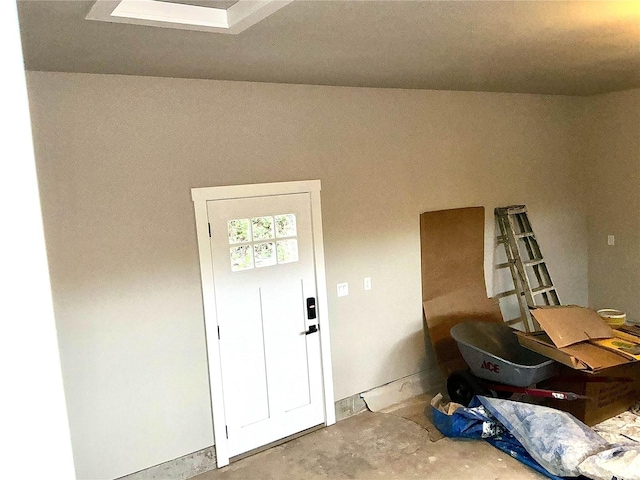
263 264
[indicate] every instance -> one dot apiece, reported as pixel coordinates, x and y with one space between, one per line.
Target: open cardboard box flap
580 356
567 336
569 325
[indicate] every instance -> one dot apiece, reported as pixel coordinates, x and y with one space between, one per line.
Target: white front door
263 269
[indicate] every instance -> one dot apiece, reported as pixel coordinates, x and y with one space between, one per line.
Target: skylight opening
224 17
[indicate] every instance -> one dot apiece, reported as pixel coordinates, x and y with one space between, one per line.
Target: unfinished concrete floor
375 445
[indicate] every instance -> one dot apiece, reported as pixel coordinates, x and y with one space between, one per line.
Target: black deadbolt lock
311 308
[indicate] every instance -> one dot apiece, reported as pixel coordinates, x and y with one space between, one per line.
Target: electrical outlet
343 289
367 283
611 240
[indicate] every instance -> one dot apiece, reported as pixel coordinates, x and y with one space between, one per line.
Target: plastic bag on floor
555 439
621 462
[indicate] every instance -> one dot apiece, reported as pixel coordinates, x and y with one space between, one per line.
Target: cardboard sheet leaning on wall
453 285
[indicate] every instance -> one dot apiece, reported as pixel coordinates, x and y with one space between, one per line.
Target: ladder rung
524 234
511 210
541 290
504 265
514 321
531 263
506 294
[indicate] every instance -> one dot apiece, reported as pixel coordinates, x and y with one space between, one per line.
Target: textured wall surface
118 155
612 153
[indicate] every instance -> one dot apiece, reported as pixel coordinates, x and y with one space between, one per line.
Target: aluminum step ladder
531 280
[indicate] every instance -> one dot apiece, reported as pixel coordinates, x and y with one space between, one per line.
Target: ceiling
554 47
204 3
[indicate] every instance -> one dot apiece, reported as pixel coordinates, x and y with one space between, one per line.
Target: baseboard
180 468
350 406
425 381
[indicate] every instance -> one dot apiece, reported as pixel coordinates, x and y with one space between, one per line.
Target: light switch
367 283
343 289
611 239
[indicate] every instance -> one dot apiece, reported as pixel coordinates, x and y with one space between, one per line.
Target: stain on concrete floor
376 445
418 410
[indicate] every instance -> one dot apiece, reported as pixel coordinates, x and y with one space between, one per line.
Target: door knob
312 329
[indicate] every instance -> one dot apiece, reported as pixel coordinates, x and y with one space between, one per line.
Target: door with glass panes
265 292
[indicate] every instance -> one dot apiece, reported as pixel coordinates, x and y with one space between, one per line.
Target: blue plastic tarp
476 422
551 442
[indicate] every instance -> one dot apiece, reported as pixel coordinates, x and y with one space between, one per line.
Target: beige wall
612 152
117 157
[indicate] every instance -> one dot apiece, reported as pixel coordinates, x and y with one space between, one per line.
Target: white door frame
200 197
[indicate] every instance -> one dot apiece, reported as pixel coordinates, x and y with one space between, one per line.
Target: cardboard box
578 338
623 344
614 391
569 336
582 356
